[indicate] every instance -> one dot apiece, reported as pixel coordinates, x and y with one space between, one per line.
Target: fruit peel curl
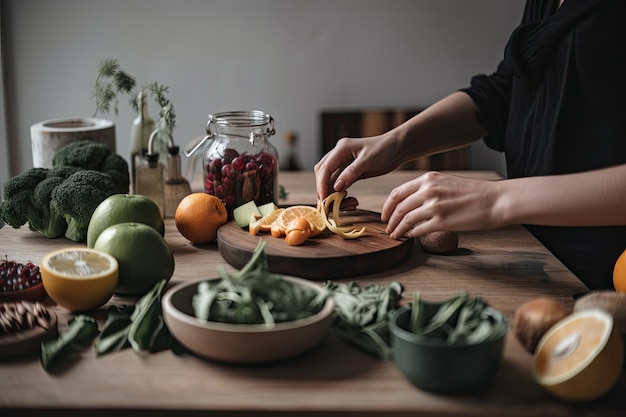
346 232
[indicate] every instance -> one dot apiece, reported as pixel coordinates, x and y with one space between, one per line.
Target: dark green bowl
431 364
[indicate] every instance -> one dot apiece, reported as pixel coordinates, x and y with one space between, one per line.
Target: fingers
336 171
409 218
408 211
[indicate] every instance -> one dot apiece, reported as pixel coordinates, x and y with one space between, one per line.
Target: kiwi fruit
440 242
534 318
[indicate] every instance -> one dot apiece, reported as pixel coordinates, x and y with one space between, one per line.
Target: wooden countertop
506 266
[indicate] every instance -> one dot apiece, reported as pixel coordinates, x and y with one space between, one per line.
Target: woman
556 106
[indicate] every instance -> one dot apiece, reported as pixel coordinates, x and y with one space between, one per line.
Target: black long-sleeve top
557 105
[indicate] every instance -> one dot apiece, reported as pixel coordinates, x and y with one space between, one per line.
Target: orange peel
333 224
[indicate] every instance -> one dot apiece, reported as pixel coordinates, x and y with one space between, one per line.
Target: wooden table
506 266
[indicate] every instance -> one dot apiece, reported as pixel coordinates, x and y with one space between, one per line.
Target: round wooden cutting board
326 256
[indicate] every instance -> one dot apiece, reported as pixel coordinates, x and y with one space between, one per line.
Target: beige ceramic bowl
242 343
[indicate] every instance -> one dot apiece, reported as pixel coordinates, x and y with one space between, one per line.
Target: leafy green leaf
80 332
141 327
462 319
362 314
114 334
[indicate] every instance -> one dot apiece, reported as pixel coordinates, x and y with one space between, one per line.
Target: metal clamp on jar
240 164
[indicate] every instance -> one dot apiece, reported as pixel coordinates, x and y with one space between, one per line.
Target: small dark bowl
34 293
431 364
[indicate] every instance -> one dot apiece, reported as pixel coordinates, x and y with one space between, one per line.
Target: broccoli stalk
26 200
77 197
54 225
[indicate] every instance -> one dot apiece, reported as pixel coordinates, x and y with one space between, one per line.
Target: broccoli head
26 200
63 171
116 167
77 197
86 154
96 156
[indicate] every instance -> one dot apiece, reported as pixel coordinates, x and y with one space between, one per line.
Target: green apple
123 208
243 213
143 255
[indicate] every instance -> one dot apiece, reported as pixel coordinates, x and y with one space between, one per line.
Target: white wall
290 58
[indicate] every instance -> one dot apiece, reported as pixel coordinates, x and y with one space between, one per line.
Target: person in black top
556 106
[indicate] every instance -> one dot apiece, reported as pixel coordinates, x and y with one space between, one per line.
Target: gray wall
290 58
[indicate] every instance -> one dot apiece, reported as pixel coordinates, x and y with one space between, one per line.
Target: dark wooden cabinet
340 123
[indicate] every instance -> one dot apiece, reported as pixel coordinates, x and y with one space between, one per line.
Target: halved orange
581 357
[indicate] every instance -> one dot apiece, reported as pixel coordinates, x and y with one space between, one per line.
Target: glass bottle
240 164
150 179
176 186
142 127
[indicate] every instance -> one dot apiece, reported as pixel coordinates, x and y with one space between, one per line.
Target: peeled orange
619 273
581 357
264 224
300 211
199 215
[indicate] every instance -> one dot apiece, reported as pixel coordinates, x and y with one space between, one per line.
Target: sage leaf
147 326
462 319
140 327
114 334
362 314
80 332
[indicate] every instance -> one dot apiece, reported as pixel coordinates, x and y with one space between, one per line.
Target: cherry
16 276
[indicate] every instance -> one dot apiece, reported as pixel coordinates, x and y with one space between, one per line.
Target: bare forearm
595 198
450 123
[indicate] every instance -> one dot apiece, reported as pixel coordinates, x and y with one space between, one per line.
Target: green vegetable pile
362 314
254 295
461 320
60 201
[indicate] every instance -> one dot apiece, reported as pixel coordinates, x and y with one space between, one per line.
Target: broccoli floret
63 172
116 167
88 154
24 202
85 154
77 197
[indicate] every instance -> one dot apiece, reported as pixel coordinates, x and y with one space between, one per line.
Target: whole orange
199 215
619 273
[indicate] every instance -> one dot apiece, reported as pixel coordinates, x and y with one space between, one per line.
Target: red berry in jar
248 177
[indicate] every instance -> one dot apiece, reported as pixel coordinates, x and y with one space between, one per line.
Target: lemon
580 358
79 278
